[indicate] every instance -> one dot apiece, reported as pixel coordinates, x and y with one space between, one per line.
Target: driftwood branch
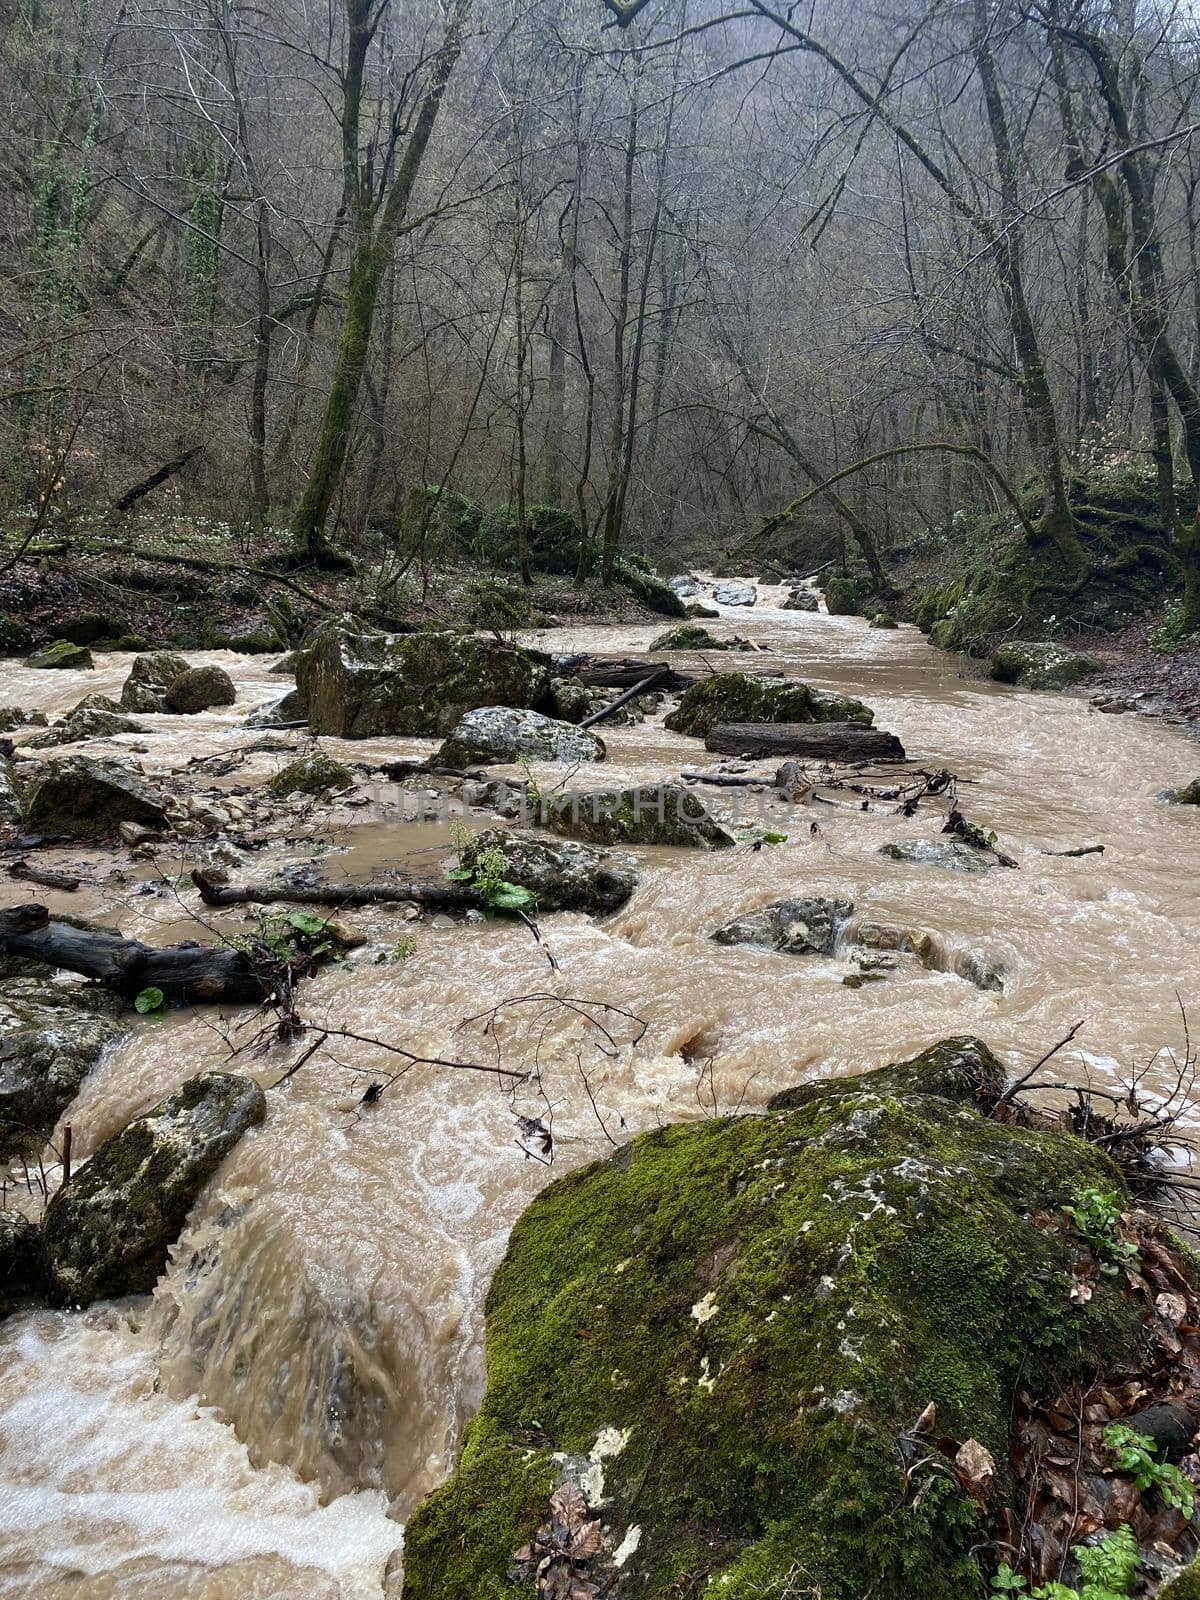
651 682
425 891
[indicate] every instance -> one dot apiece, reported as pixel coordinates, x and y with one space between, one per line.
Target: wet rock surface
358 684
736 697
313 773
62 655
152 674
200 689
504 733
947 853
799 926
108 1229
50 1039
648 814
735 594
81 796
561 874
10 795
728 1325
84 722
800 600
1041 665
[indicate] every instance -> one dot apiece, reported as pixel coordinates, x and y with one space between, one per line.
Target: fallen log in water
652 680
628 673
188 972
820 741
424 891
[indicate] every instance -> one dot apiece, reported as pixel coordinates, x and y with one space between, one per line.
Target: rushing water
262 1424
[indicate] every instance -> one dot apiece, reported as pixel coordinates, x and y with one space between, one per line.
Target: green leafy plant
1133 1453
1097 1216
1108 1569
149 1002
756 838
486 871
399 951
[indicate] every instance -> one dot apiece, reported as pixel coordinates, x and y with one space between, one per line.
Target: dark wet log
653 680
819 741
42 876
190 972
424 891
627 674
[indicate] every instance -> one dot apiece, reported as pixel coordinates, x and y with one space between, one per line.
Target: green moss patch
737 697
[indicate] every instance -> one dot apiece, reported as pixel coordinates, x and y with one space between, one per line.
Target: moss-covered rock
152 674
843 598
800 926
504 733
800 600
199 689
14 635
20 1259
652 592
10 795
884 619
562 875
1041 665
1185 1587
358 684
722 1334
84 722
696 608
61 655
315 773
82 797
93 627
1189 795
49 1042
667 814
108 1229
737 697
951 854
689 637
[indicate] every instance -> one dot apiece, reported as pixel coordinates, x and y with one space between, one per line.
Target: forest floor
1136 667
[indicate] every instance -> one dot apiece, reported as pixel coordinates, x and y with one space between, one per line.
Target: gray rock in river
358 684
685 585
652 814
79 725
14 717
289 708
60 655
948 853
108 1229
561 874
49 1042
1041 665
1189 795
502 733
735 594
200 689
152 674
800 600
802 926
81 796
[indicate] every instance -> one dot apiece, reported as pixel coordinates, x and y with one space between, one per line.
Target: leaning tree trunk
372 253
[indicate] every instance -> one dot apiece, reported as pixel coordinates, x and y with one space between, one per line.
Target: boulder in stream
358 684
491 734
1041 665
152 674
1189 795
14 717
843 597
281 713
949 853
108 1229
315 773
63 655
651 814
800 600
689 636
561 874
81 796
805 925
50 1039
696 609
85 722
200 689
685 586
712 1347
735 594
737 697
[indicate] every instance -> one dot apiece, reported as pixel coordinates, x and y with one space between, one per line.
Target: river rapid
262 1424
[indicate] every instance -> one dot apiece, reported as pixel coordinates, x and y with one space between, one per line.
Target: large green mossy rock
648 590
1041 665
145 689
50 1039
721 1333
82 797
108 1229
358 685
492 734
737 697
667 814
689 636
61 655
315 773
1184 1587
843 598
560 874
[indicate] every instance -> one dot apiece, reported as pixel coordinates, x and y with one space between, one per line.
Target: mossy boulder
689 637
93 627
561 874
61 655
1042 665
1189 795
696 608
492 734
721 1337
647 589
200 689
152 674
800 600
82 797
10 795
311 774
737 697
14 717
884 619
951 854
49 1042
85 722
1185 1587
108 1229
358 685
843 598
667 814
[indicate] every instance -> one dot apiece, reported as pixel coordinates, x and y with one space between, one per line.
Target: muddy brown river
261 1425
